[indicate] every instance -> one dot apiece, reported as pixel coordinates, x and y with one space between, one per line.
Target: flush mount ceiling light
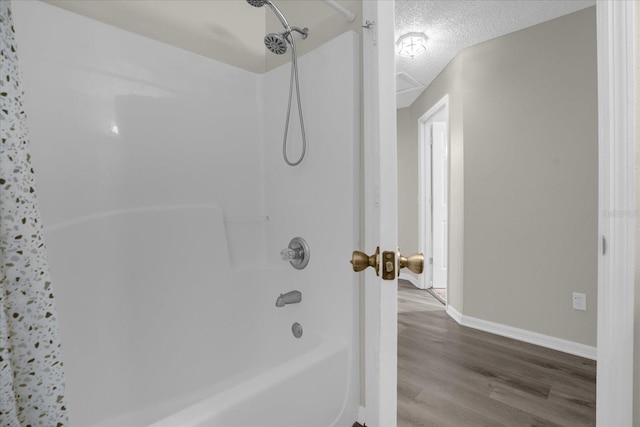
411 45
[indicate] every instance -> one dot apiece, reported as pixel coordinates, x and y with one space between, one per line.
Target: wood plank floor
450 375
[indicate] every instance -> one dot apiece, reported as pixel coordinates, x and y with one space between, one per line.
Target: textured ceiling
452 25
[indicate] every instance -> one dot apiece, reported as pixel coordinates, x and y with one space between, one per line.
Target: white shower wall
318 200
186 125
139 142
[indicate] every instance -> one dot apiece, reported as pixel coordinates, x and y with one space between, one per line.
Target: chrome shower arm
304 32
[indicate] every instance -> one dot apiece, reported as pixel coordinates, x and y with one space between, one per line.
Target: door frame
617 212
616 224
424 188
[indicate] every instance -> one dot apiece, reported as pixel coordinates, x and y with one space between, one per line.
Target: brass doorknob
360 261
413 262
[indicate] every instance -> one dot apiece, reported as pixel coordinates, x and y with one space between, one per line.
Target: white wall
186 134
317 200
186 124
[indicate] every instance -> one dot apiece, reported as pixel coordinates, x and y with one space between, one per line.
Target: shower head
257 3
276 43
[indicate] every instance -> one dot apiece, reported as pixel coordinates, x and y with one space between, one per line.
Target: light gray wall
407 172
531 200
523 177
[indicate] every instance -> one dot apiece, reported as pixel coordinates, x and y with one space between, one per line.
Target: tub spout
292 297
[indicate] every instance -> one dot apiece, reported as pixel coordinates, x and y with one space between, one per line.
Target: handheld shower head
276 43
257 3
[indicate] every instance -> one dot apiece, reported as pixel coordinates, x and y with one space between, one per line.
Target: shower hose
294 76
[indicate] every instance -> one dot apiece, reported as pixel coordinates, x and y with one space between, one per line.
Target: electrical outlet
579 301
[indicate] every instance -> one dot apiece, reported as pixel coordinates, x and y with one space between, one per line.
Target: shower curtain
31 375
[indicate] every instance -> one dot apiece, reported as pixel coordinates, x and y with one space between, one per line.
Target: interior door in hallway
439 194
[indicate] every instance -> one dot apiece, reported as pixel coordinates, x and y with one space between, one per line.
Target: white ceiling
452 25
232 31
227 30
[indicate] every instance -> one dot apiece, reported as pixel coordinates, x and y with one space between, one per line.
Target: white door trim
381 210
617 212
424 184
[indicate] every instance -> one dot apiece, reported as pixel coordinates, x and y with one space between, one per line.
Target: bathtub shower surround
31 374
167 205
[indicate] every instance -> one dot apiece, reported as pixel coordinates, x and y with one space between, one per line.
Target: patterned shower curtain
31 375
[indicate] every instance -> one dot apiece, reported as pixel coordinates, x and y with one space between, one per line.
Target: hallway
449 375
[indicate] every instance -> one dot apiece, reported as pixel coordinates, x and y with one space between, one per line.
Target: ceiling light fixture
411 45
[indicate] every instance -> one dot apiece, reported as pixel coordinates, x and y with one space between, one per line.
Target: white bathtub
159 329
304 391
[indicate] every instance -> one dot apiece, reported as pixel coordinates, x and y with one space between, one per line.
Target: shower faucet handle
297 253
290 254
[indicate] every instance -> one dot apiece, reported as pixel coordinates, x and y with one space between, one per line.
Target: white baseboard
577 349
454 314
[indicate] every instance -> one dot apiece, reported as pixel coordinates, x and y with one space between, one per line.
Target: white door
439 191
380 208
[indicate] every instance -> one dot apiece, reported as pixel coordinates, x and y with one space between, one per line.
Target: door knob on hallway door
413 262
361 261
